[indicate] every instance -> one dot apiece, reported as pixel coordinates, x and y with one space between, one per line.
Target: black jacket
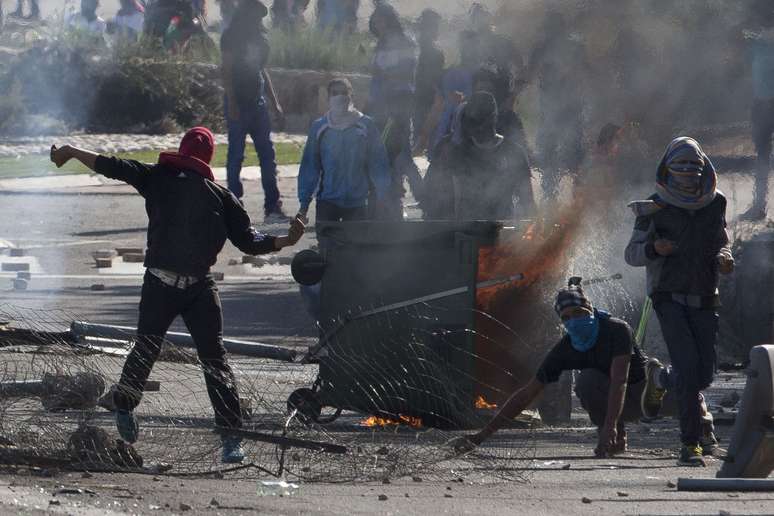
700 236
189 217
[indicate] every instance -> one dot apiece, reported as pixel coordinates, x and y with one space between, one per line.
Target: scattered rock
184 507
386 481
566 467
233 262
98 287
733 495
250 259
406 495
416 479
586 500
86 474
447 495
383 451
214 503
218 475
671 485
156 479
218 276
73 491
623 494
54 502
724 513
382 498
284 260
448 488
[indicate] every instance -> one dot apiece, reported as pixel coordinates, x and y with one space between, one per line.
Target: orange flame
376 421
481 403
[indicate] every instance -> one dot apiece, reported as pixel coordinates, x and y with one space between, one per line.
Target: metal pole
725 484
81 329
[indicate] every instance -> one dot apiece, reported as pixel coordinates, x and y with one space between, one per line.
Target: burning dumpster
427 322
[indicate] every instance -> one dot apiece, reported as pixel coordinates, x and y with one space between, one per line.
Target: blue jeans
255 122
690 335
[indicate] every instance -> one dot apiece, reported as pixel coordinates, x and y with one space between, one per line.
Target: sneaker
652 395
275 215
127 426
711 448
232 450
692 456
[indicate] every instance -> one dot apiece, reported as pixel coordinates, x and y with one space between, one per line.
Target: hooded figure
685 179
680 238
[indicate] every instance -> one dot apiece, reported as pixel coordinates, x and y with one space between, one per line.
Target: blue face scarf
583 331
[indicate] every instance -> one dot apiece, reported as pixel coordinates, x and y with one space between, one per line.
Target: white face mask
340 104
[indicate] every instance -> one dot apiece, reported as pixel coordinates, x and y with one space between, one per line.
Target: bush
312 49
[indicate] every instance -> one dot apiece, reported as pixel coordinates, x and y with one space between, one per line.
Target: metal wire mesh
377 400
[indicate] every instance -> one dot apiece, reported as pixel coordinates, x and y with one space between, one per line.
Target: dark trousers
690 335
330 212
762 130
199 305
255 122
593 387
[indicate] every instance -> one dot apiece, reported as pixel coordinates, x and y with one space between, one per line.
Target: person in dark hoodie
680 238
190 219
491 174
430 67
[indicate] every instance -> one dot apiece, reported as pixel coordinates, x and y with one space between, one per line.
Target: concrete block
24 275
249 259
97 287
129 250
15 267
104 263
134 257
17 252
104 253
20 284
218 276
284 260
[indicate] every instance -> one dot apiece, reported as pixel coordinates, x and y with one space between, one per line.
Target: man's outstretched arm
129 171
518 401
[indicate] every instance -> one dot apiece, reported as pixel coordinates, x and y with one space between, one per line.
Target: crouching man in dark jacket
190 219
680 238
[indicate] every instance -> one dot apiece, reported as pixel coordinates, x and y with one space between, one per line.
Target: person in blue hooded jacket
593 341
344 162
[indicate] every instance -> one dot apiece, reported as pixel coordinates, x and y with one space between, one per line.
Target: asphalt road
61 229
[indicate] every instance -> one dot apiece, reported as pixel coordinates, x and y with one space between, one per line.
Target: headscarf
685 179
195 153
